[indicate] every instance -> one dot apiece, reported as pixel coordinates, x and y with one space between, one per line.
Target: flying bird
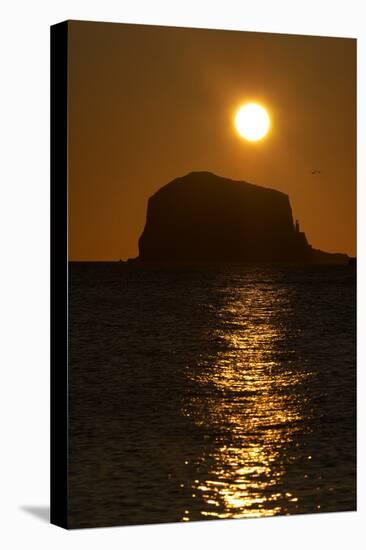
316 172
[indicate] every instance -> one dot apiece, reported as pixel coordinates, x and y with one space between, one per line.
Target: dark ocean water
212 392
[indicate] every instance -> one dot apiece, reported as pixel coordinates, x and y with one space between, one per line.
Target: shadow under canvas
40 512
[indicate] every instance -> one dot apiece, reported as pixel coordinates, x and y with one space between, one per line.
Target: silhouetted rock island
202 217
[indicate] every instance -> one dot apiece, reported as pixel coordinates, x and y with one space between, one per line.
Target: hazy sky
148 104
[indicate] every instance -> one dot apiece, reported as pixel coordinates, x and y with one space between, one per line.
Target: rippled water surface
213 392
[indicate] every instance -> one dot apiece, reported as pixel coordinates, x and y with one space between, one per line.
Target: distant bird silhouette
316 172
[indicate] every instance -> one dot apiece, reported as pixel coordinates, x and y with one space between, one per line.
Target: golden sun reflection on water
257 402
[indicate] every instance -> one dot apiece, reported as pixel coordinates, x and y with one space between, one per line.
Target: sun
252 121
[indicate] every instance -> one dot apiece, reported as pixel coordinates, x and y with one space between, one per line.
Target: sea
210 392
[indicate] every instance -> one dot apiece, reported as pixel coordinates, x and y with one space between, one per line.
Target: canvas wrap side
59 270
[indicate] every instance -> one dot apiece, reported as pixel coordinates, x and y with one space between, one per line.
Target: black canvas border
59 276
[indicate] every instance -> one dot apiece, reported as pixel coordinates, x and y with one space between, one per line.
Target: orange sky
148 104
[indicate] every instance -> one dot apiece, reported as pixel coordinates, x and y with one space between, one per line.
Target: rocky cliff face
203 217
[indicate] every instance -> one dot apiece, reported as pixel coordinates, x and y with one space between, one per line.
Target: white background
24 273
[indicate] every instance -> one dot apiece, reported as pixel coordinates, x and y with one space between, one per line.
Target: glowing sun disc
252 121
